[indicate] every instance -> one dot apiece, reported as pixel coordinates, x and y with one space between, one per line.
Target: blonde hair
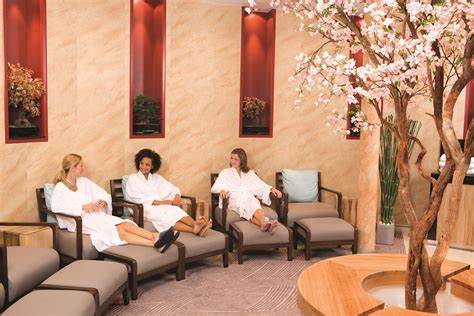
71 160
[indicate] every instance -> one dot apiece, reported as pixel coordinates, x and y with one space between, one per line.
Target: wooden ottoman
324 232
247 235
54 303
103 279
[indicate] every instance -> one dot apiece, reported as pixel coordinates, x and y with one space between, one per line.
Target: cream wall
88 93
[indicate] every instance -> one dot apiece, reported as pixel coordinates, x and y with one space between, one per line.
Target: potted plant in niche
252 109
24 94
389 180
146 115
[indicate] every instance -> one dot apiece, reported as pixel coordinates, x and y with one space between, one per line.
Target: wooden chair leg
134 287
126 295
307 250
225 255
290 245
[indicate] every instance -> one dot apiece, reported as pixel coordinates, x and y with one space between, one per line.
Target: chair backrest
279 183
116 189
41 202
214 197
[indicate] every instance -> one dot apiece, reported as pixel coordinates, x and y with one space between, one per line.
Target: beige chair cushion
147 258
297 211
196 245
254 236
67 245
53 303
233 217
328 229
105 276
149 226
28 267
2 296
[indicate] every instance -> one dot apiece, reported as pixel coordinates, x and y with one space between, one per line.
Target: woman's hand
224 194
94 207
276 192
177 200
163 202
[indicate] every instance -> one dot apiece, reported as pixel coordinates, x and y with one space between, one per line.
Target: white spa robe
101 225
145 191
243 191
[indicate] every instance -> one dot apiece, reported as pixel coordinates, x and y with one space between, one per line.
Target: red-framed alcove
257 69
147 60
24 34
469 111
359 60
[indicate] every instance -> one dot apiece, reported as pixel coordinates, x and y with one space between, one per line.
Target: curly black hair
148 153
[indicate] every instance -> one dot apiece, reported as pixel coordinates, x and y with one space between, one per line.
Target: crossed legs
135 235
198 227
258 218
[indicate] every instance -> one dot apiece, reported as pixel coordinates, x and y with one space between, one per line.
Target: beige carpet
264 284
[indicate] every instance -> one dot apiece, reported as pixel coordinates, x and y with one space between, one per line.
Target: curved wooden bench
338 286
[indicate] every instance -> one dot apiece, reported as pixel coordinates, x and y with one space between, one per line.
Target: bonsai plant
24 93
252 108
389 181
146 115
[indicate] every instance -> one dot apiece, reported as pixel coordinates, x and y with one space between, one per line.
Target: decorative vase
256 120
23 132
385 234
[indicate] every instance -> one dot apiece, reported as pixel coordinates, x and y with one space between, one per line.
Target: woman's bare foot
199 225
205 229
273 226
265 226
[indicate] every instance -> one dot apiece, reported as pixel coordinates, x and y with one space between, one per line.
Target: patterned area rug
264 284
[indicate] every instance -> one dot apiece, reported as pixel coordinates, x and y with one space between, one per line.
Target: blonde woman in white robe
79 196
159 197
243 188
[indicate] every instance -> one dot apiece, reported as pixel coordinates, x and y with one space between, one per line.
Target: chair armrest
339 199
138 216
50 225
283 214
193 204
78 221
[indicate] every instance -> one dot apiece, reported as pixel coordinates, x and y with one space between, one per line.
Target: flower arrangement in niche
252 108
24 93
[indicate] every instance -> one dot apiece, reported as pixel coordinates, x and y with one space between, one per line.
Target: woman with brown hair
79 196
243 188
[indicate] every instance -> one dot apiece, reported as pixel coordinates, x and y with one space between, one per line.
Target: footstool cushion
147 258
249 236
254 236
27 267
196 245
328 228
53 303
107 277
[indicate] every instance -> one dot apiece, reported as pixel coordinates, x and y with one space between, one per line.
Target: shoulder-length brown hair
243 158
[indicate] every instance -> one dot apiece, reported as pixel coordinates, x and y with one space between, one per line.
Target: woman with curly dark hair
160 198
243 188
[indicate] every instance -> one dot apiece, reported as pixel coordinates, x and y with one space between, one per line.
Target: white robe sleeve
100 194
259 188
220 183
167 189
62 202
134 191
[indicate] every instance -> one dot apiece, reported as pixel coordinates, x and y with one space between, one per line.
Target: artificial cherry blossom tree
414 49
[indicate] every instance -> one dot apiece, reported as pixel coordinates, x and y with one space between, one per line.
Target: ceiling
263 5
